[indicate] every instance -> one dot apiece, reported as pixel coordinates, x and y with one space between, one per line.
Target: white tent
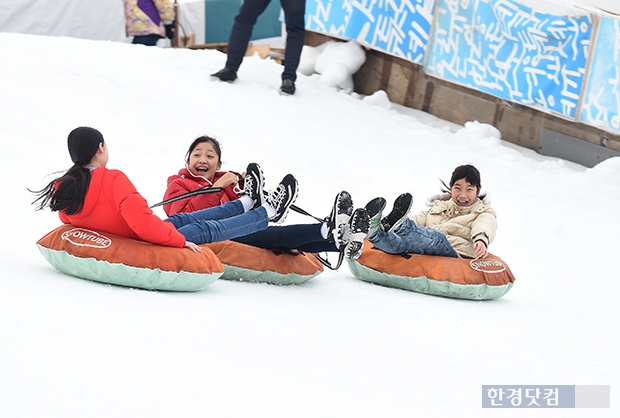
86 19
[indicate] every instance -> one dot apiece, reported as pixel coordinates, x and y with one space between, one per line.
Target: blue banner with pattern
511 51
601 104
400 28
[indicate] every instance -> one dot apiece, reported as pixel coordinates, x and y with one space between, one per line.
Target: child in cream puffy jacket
460 222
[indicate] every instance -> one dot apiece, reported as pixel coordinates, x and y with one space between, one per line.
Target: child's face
463 193
204 161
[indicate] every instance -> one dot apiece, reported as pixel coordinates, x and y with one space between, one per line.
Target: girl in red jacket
343 229
90 196
202 165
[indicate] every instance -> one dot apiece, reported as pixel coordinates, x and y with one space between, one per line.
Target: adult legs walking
242 31
294 17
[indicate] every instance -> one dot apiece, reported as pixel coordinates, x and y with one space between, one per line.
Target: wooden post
175 41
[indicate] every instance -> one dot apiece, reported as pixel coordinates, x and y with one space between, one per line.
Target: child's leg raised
412 238
227 210
206 231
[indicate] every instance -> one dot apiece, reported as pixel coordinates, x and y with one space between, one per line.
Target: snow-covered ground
334 347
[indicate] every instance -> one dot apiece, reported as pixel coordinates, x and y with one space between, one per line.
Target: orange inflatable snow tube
248 263
462 278
113 259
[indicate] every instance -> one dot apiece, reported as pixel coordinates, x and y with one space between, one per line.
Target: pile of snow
378 98
334 61
477 129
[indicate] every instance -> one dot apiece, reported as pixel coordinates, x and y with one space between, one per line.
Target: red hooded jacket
112 204
185 182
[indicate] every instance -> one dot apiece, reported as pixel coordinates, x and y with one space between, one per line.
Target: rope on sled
208 189
327 264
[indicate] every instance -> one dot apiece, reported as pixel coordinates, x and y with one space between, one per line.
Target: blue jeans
412 238
294 17
219 223
302 237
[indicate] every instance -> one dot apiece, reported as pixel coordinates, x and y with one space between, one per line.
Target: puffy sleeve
484 227
230 192
175 188
165 9
136 213
178 185
420 218
201 201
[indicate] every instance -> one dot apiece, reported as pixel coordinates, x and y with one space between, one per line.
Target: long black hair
67 193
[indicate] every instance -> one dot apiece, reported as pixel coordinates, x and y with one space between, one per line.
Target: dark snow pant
294 15
148 40
302 237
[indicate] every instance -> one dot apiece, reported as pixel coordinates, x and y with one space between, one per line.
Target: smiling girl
343 229
203 161
460 222
89 195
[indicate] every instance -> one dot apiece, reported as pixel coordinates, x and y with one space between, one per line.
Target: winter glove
170 30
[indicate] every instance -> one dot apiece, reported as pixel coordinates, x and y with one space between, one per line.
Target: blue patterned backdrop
601 105
511 51
399 27
500 47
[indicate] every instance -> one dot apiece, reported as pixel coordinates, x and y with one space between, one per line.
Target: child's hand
192 247
480 250
226 180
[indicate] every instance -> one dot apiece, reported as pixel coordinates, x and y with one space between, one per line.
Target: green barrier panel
220 14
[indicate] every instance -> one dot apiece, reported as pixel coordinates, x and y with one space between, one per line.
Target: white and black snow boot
283 197
338 219
358 226
253 184
402 206
375 211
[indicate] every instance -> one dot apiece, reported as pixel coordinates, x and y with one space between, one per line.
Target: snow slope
335 346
